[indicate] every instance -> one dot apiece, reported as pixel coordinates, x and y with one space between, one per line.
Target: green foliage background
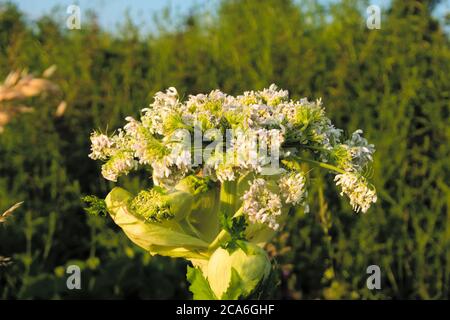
394 83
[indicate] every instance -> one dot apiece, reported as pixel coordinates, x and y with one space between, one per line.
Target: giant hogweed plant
227 174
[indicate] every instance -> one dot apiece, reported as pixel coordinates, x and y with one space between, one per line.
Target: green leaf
236 227
268 289
235 290
150 235
95 206
199 285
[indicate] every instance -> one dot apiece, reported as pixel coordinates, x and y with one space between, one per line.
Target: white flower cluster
248 151
120 160
120 163
237 135
292 187
261 205
356 188
101 146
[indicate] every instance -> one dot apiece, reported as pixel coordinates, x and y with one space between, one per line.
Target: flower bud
154 205
165 238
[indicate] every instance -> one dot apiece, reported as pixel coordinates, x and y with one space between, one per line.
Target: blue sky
111 12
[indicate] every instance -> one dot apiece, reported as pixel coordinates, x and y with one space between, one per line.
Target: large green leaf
236 287
146 234
199 285
178 252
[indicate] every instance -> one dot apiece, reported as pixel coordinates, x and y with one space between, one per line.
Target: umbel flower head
357 189
226 172
262 205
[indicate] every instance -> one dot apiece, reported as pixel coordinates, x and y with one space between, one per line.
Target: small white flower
356 188
120 164
292 187
100 147
165 105
273 96
261 205
248 98
180 156
132 127
225 173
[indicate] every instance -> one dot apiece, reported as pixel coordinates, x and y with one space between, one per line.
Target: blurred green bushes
394 83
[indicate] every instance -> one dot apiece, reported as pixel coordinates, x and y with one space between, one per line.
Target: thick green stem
228 198
222 237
